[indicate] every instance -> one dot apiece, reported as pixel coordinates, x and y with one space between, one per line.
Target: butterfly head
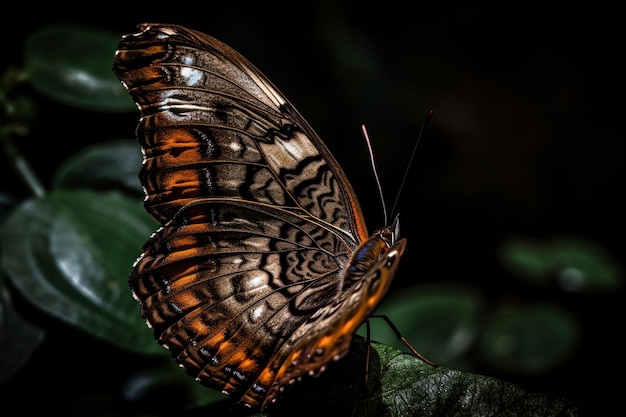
390 234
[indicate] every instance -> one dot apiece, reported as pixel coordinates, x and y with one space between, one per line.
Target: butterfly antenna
376 177
429 116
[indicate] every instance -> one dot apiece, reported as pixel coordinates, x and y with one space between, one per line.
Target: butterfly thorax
366 255
373 265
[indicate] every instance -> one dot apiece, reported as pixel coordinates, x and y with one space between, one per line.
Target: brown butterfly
263 268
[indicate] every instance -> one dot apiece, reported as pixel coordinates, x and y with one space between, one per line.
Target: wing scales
185 80
263 267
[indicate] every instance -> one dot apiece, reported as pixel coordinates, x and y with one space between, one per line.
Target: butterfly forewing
263 268
205 111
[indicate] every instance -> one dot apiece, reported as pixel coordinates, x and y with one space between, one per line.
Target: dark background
527 139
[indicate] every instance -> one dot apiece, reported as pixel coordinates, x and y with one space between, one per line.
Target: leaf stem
21 166
15 114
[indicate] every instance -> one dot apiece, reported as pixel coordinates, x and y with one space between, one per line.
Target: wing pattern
263 268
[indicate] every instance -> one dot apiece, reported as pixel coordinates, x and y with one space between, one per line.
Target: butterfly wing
246 281
208 114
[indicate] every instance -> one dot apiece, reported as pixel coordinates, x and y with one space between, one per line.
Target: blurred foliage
66 253
72 65
574 264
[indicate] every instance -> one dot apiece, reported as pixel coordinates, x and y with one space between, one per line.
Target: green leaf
575 264
398 384
18 337
72 65
70 255
530 339
111 165
411 388
528 259
581 265
7 203
440 321
446 322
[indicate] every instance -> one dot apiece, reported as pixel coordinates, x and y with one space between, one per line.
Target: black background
527 137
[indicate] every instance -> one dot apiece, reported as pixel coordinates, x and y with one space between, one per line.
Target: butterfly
263 267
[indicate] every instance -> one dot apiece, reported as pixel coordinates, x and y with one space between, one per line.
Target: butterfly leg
400 337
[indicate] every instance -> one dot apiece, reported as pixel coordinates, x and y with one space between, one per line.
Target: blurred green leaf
111 165
18 337
527 258
72 65
70 255
531 339
583 266
7 203
440 321
575 264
